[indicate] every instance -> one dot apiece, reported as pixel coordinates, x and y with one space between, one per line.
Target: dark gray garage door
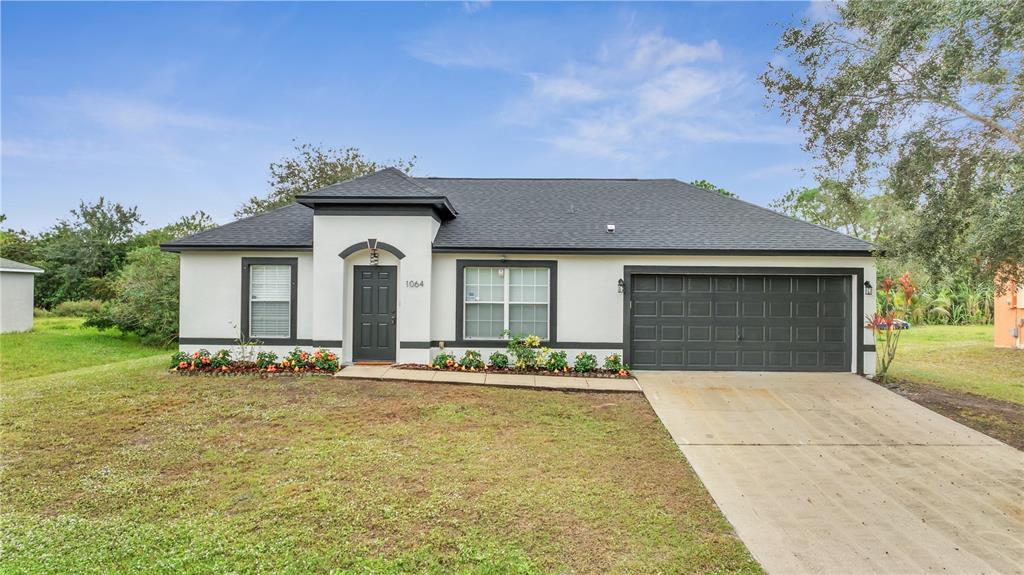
741 322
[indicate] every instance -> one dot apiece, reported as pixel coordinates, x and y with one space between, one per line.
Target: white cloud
129 114
823 11
565 88
654 51
472 6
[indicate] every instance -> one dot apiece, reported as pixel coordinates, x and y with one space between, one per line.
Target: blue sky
180 107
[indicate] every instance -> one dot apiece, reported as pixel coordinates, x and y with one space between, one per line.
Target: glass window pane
528 319
270 319
484 320
270 282
484 285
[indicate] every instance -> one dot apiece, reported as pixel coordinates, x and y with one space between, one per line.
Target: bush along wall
296 362
524 354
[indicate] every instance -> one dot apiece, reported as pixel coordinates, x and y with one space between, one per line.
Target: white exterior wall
413 236
210 304
16 292
590 306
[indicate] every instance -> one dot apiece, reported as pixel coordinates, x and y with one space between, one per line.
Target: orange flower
196 354
284 363
331 356
303 355
183 365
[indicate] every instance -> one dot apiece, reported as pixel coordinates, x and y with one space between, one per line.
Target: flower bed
525 355
297 362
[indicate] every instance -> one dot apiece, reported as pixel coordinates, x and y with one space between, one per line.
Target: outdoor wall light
622 286
868 288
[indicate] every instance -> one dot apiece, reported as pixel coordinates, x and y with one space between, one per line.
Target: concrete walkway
391 373
830 473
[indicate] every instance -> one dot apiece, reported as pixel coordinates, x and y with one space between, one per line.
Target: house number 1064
414 283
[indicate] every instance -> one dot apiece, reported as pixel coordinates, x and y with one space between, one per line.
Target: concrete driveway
830 473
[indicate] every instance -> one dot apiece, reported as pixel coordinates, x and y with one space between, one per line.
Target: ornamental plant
181 360
585 362
614 363
897 299
266 360
471 360
443 361
296 360
522 349
221 359
201 358
325 360
498 360
557 361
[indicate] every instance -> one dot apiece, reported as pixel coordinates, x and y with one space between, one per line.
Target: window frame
460 297
293 263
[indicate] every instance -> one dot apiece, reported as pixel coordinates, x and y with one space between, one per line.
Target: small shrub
585 362
523 350
498 360
77 308
471 360
296 360
221 359
201 358
443 361
325 360
266 359
181 360
41 312
614 362
557 361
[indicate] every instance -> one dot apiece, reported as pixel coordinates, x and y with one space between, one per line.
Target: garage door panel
741 322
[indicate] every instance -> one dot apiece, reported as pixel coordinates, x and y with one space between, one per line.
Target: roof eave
178 248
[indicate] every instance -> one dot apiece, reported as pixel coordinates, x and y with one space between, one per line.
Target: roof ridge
773 212
544 179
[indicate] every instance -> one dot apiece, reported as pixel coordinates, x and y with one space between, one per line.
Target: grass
58 344
125 468
960 358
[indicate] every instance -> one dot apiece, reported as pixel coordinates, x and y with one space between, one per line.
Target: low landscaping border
296 362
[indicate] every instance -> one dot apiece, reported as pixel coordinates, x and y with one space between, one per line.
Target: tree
704 184
922 99
311 168
834 205
145 298
79 253
188 225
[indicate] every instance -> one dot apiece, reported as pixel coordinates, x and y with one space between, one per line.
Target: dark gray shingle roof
290 226
558 215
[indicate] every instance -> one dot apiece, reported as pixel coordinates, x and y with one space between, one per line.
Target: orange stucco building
1009 317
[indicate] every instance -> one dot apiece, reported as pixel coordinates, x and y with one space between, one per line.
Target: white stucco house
393 268
17 289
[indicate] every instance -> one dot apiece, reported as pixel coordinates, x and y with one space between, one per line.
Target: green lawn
960 358
127 468
58 344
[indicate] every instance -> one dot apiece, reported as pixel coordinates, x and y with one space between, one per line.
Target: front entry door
375 312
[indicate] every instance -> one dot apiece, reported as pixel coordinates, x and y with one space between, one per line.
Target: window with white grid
499 299
270 290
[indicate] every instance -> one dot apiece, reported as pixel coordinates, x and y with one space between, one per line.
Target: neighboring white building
389 267
17 286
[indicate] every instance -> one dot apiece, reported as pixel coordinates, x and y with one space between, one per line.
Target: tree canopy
706 185
921 100
311 168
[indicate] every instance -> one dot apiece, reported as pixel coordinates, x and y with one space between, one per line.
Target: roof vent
611 228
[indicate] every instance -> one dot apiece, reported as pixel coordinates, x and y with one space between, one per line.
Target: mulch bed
1003 420
248 369
512 371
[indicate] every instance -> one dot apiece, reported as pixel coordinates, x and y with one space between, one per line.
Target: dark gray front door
375 313
741 322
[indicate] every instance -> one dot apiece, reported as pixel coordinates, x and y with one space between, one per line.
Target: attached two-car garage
740 321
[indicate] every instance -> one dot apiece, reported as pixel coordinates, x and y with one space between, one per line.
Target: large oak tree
921 100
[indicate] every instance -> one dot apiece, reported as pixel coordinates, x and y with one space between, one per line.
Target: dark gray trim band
414 345
232 341
294 305
628 271
440 204
377 210
474 343
869 347
460 280
649 252
371 243
177 248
